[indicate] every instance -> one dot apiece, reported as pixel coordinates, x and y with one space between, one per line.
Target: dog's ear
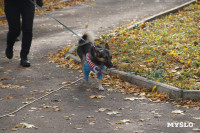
92 49
107 46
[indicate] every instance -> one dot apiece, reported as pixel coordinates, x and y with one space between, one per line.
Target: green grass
165 50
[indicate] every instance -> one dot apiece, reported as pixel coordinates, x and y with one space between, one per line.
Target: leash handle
56 20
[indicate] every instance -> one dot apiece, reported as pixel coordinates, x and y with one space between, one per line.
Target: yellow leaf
154 89
16 86
123 31
71 60
86 26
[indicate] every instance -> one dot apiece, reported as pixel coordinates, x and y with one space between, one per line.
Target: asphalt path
72 110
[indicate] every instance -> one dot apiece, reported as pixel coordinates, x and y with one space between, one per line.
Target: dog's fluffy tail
88 38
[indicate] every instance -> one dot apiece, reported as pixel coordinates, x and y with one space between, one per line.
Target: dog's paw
101 88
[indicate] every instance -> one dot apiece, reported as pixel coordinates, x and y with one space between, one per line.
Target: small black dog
93 58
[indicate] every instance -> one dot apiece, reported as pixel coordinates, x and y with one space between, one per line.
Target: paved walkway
71 110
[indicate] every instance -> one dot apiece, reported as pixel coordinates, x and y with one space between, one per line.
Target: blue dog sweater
87 69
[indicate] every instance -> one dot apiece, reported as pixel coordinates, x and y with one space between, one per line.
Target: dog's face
103 55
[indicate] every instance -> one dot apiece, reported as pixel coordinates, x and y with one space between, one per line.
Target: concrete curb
167 12
174 92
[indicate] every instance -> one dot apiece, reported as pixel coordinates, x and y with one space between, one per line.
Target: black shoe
25 63
9 53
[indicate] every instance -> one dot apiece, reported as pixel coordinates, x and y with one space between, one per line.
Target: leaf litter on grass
114 81
164 50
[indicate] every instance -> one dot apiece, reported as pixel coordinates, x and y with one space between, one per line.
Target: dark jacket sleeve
39 2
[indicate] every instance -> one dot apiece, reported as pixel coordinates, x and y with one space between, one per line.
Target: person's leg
12 12
27 11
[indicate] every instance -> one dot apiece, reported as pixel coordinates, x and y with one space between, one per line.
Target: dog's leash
22 107
103 72
56 20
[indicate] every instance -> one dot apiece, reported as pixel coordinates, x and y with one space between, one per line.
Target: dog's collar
91 64
90 58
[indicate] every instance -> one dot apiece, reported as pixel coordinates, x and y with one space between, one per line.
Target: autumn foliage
164 50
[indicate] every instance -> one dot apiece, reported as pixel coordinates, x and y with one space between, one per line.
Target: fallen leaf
130 98
92 123
154 89
9 97
196 108
26 125
67 117
134 98
143 94
96 96
78 128
90 116
196 118
89 89
141 131
123 121
33 108
57 108
113 113
25 102
68 82
141 120
102 109
157 116
14 129
177 112
86 26
196 129
11 115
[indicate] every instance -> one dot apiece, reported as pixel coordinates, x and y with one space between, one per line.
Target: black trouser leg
12 12
27 25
